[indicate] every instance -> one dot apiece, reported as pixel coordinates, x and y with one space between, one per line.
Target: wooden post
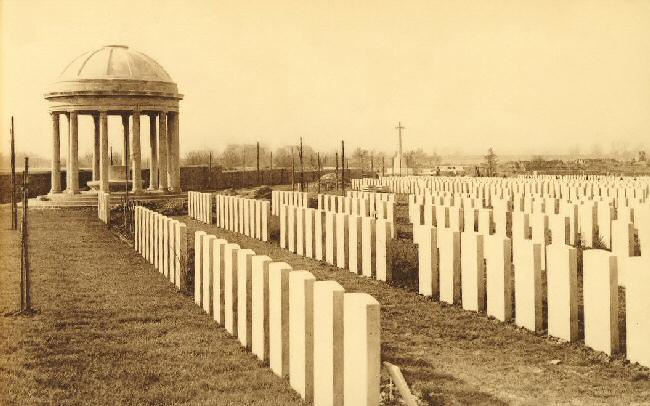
258 163
14 204
372 165
293 171
302 169
26 300
343 163
382 166
336 170
318 159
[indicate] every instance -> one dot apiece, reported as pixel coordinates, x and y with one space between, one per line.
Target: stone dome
114 70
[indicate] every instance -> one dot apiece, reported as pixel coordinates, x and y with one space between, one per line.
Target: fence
324 340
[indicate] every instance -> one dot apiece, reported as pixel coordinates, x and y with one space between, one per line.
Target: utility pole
14 204
318 160
336 171
242 177
343 164
347 165
302 169
210 171
258 163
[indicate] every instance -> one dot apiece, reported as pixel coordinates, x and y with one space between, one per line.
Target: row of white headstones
565 187
162 241
234 213
354 242
326 341
469 257
465 255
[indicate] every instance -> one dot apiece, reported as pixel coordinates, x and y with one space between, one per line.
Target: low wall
196 178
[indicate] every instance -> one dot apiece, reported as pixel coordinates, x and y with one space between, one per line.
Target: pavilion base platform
89 198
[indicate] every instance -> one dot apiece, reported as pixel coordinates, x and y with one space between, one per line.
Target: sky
521 76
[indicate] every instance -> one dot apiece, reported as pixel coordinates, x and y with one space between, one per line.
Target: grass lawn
110 329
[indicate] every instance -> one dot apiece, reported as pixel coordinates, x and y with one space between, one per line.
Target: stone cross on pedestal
398 165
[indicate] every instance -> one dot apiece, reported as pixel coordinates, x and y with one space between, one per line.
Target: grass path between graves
111 330
451 356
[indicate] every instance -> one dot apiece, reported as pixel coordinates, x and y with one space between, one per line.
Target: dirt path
111 330
451 356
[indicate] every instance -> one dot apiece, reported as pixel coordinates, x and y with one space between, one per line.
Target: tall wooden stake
382 166
14 204
25 295
271 167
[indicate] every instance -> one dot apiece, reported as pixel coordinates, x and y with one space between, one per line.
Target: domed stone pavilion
116 80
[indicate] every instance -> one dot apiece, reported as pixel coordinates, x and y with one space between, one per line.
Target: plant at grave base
189 274
599 243
637 245
548 238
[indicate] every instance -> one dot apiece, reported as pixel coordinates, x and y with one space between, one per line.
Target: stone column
170 150
96 148
153 158
103 152
68 161
73 158
162 152
125 126
176 182
135 153
56 154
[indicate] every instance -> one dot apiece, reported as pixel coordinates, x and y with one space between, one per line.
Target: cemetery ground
452 356
110 329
